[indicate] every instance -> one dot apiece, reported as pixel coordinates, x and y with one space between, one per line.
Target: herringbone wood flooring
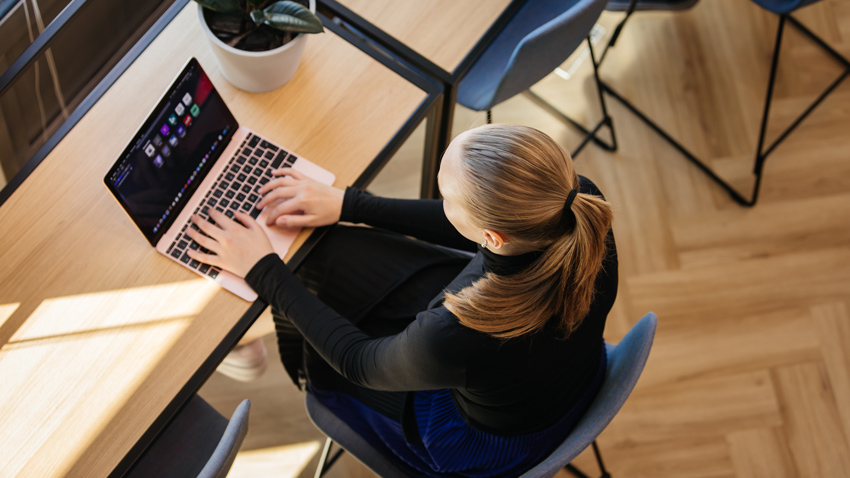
750 372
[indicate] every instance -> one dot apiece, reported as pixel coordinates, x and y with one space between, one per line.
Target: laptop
189 156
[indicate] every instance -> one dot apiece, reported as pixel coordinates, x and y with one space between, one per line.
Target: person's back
524 384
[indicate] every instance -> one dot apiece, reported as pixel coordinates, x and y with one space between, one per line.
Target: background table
101 338
443 38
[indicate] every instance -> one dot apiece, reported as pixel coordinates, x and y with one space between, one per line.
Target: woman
476 365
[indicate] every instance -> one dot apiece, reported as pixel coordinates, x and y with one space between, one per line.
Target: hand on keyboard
235 246
298 201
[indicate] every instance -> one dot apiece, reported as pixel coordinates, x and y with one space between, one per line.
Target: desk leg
447 115
435 144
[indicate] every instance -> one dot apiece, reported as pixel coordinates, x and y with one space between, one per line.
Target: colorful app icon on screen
149 149
179 109
187 120
195 110
166 151
172 140
158 161
164 130
157 140
172 120
187 99
181 131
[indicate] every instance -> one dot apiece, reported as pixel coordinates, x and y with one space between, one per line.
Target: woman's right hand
294 200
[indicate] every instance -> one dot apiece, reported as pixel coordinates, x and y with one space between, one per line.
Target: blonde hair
515 180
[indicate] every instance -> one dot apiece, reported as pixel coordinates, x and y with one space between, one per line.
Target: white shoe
245 362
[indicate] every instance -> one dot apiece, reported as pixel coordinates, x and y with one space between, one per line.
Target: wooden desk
442 37
101 338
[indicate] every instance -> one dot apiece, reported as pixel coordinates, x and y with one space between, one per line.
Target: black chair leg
617 30
324 462
590 134
580 474
761 153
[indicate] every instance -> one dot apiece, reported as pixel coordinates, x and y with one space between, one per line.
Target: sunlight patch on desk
286 461
6 311
83 313
94 366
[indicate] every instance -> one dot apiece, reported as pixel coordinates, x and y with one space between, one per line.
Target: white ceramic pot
256 71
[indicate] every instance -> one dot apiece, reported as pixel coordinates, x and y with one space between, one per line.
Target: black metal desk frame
428 110
438 135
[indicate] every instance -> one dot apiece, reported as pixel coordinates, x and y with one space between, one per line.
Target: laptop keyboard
236 189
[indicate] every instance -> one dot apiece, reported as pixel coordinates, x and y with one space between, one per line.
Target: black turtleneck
506 387
507 265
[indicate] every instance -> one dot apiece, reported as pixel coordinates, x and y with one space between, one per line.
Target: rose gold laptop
191 156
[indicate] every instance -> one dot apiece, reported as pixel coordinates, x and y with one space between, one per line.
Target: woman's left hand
234 246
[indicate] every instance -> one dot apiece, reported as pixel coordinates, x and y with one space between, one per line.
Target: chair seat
650 5
782 7
625 364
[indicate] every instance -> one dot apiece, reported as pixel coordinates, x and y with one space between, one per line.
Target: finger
222 223
202 240
211 259
246 220
281 193
282 209
207 227
288 171
295 220
279 182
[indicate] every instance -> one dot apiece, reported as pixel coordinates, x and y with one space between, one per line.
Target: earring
484 244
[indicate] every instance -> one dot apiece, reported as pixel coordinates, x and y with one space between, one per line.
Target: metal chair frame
590 134
326 460
761 152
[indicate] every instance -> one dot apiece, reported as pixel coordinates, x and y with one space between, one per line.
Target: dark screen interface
172 152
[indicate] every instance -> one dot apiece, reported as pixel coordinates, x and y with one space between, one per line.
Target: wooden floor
750 372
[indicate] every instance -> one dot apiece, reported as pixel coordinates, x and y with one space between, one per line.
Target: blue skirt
452 447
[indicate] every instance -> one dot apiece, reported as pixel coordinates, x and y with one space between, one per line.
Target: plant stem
233 41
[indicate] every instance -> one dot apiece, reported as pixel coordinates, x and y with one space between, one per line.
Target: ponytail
522 169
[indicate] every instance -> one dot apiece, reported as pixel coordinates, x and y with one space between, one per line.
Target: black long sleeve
505 387
420 218
422 357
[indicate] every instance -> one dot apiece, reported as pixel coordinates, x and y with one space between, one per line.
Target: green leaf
223 6
290 17
259 16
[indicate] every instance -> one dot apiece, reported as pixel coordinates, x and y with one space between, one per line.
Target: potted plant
258 43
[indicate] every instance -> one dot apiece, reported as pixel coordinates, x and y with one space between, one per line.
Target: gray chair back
197 442
625 364
541 35
225 452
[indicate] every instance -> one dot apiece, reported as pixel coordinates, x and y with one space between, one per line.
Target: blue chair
541 36
198 442
625 364
783 8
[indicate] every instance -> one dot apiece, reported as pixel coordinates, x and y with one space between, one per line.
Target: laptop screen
172 152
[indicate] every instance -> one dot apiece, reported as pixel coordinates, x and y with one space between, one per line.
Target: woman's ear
495 240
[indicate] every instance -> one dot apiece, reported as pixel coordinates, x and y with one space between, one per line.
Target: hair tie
569 217
570 197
